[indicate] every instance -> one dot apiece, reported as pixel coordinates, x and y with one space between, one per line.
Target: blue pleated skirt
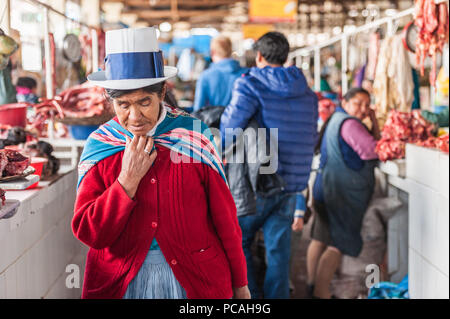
155 280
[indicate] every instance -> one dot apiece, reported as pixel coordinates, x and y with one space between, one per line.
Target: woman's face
358 106
138 111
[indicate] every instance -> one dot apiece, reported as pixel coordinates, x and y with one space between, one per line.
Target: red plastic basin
38 164
14 114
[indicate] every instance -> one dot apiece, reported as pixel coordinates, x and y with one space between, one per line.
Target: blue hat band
134 65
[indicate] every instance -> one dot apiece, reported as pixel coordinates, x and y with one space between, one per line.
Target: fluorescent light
390 12
337 30
165 27
353 13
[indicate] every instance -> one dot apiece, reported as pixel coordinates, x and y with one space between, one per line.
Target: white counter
427 171
37 243
424 176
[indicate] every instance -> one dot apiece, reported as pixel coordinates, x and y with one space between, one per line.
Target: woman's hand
241 293
136 163
375 127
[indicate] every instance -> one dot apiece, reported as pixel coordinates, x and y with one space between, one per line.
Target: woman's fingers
149 145
133 142
141 143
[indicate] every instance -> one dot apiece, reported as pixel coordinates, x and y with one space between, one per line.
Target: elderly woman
153 204
343 188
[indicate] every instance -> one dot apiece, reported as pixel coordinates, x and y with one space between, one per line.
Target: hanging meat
78 102
374 49
16 163
433 24
86 41
402 128
393 87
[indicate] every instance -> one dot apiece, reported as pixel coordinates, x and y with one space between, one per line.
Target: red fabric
187 206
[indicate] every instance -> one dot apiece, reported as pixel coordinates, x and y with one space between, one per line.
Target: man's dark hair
355 91
274 47
26 82
155 88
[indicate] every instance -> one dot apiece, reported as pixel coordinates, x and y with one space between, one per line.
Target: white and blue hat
133 60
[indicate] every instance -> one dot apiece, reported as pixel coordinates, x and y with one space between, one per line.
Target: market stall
40 144
36 242
401 58
413 149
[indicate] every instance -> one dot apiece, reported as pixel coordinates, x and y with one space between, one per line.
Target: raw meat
393 87
402 128
374 49
17 163
441 143
389 149
433 24
81 101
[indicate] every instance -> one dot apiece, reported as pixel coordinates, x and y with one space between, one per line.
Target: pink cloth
22 90
359 139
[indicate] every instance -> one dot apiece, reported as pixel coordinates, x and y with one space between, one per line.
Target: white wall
37 244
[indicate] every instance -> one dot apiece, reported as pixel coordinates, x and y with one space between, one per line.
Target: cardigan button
173 262
153 181
154 224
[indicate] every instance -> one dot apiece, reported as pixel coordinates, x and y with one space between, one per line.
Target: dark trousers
274 215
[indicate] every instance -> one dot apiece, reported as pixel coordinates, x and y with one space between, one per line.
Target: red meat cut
401 128
17 163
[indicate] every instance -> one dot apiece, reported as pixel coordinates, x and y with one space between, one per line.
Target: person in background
342 189
278 98
26 90
7 90
215 84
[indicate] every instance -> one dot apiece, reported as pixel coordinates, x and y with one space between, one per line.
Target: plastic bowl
38 164
14 114
82 132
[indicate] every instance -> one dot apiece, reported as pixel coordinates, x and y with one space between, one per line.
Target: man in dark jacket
278 98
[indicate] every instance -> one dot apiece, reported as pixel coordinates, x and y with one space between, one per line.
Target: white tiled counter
37 244
427 172
424 180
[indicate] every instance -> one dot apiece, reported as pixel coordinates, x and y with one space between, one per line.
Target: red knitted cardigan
187 206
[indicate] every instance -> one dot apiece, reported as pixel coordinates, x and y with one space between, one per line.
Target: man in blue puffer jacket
279 98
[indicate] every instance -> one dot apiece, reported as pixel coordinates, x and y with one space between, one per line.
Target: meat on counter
12 163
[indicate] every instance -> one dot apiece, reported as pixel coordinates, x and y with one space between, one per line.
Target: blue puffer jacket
279 98
215 84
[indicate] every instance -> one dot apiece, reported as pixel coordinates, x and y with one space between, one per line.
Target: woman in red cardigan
153 204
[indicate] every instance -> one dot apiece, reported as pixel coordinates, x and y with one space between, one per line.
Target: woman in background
342 190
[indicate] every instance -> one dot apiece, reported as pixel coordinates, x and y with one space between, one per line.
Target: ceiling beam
181 3
174 9
161 14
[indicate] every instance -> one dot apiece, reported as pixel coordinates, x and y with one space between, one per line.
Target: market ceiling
311 13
